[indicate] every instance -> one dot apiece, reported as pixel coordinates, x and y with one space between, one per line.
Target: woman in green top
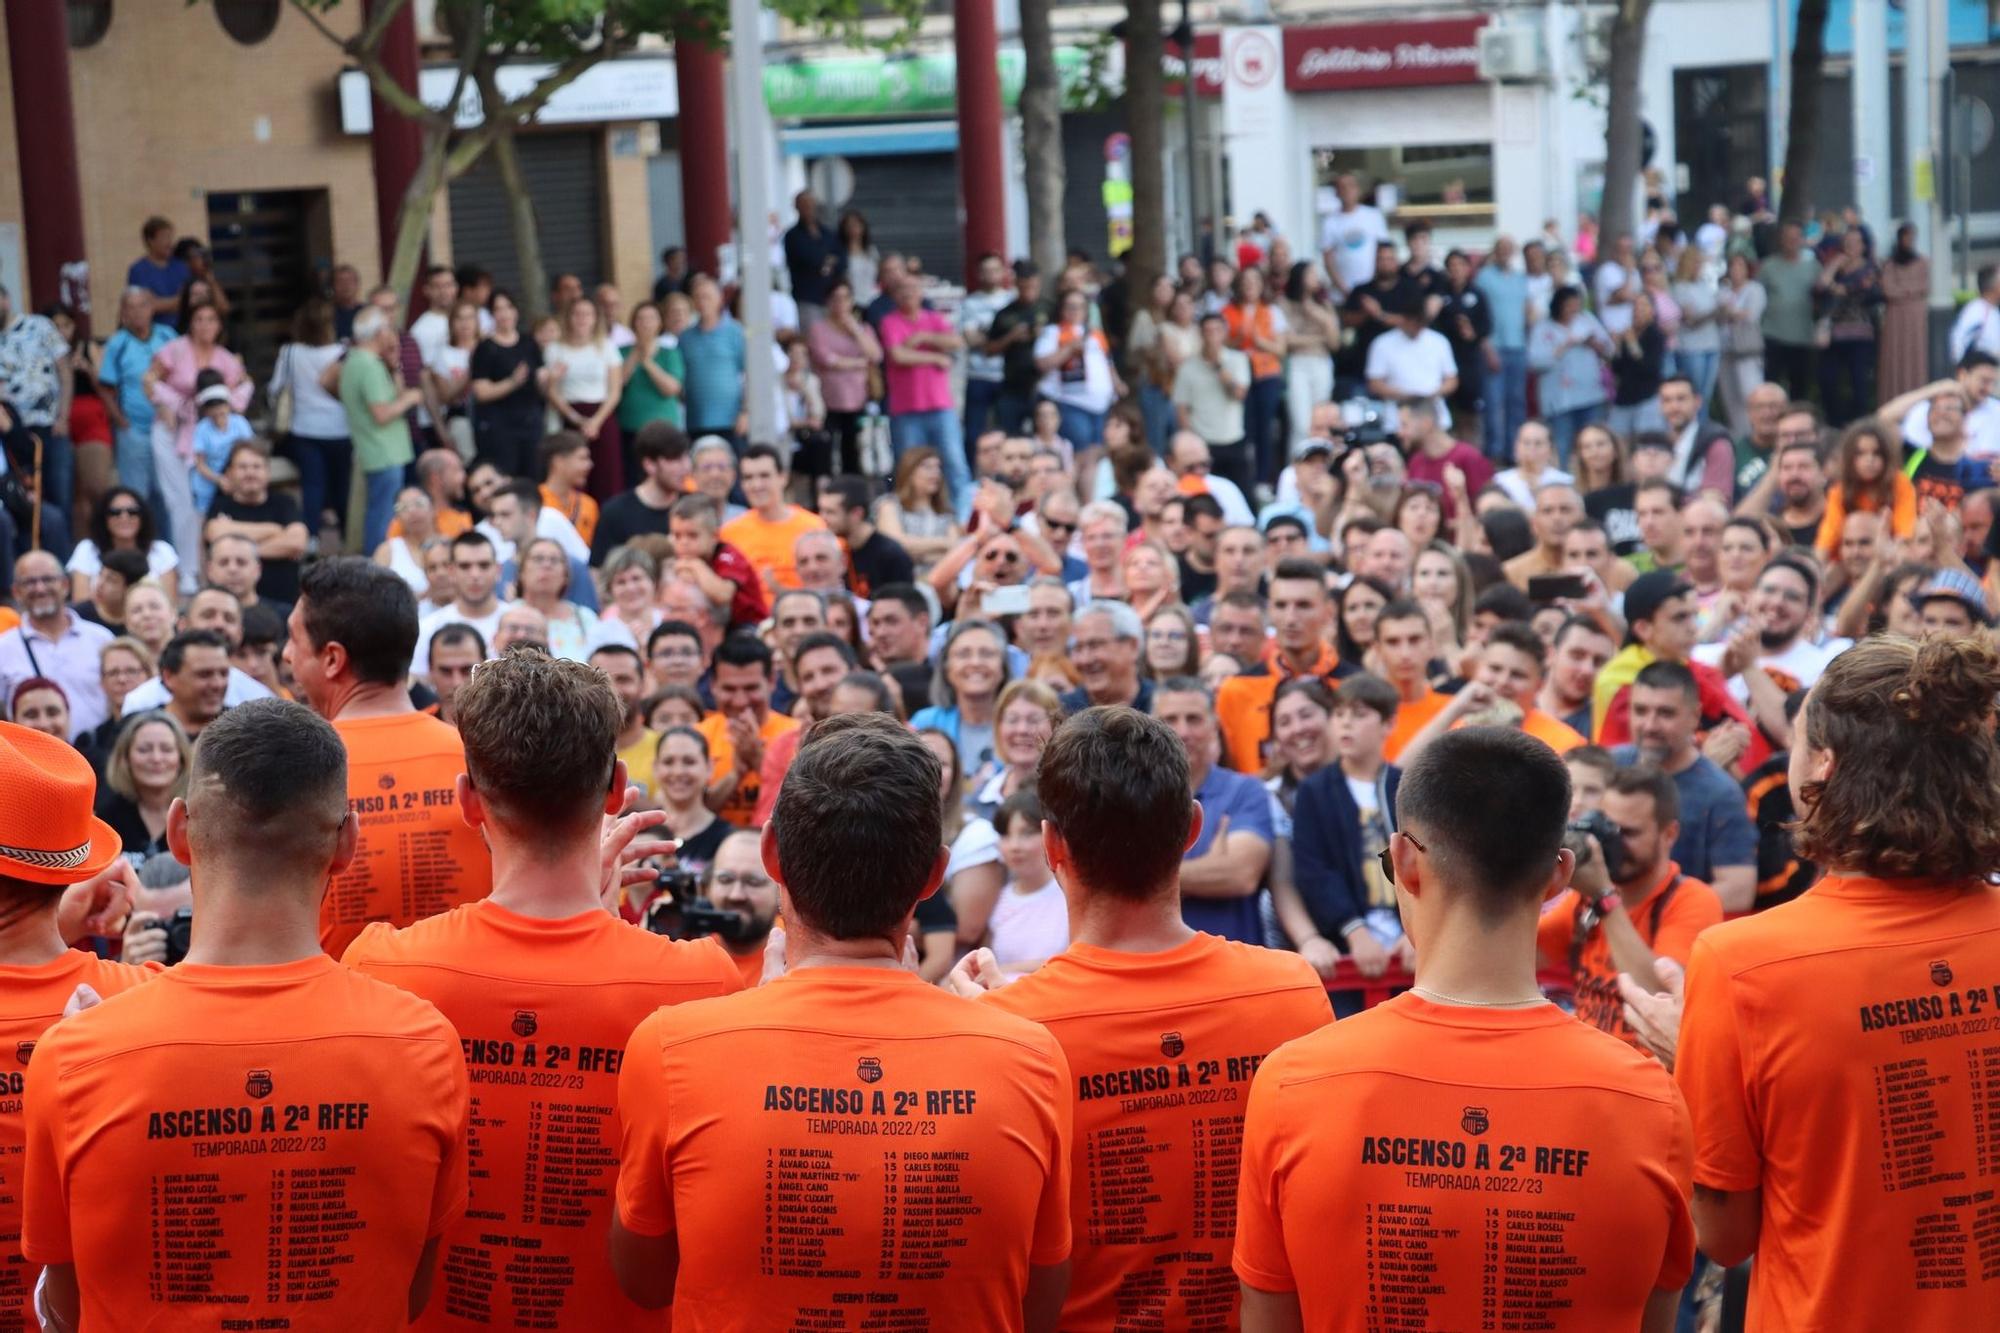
653 371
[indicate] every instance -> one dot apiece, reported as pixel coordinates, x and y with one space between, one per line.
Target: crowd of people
1174 674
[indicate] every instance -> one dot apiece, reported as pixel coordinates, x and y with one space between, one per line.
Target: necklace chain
1479 1004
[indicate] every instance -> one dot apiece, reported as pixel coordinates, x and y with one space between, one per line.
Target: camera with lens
1596 824
179 927
680 912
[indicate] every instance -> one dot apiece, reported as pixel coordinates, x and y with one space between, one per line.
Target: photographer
162 918
1628 902
737 883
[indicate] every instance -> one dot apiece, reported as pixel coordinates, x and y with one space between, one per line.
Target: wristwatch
1606 902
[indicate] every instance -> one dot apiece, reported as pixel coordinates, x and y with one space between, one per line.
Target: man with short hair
441 476
1657 505
1203 517
517 516
1975 375
1790 278
1405 644
564 463
794 615
1365 310
1105 775
1704 455
540 956
1977 327
1595 933
1302 616
821 562
815 258
1764 406
1558 508
768 532
1237 630
856 843
1239 567
1508 304
1209 389
1106 639
1577 653
1222 874
254 1031
1412 361
1191 459
985 367
1012 336
1508 678
455 650
735 882
1702 521
638 746
876 560
676 655
476 574
122 367
1435 455
378 403
818 664
899 625
36 387
1801 486
216 610
1044 628
661 452
1388 556
351 637
234 566
1660 627
246 506
1471 1047
1717 843
1104 526
1588 547
1766 661
160 273
54 642
194 667
520 623
741 727
432 329
1349 234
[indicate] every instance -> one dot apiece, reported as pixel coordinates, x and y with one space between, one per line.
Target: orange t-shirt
1840 1052
32 998
846 1148
580 509
778 757
1243 707
1667 921
768 546
1432 1166
544 1009
417 857
741 809
448 523
1412 717
1553 732
1162 1047
246 1147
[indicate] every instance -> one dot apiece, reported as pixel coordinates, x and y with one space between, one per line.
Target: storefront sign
918 84
629 88
1382 55
1207 66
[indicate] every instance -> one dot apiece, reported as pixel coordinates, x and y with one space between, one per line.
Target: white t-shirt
582 374
977 844
84 559
1611 278
316 413
1414 367
1352 235
1799 667
432 330
549 523
1028 927
1977 325
1982 429
1086 387
1522 491
450 364
420 661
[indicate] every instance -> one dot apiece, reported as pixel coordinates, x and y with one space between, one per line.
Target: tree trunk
527 231
1041 140
413 220
1802 122
1145 119
1622 135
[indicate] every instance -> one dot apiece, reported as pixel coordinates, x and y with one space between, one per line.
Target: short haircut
1673 492
1202 506
367 609
1285 521
541 739
766 451
1294 570
1125 622
1649 780
1593 757
1669 676
906 594
555 446
1103 511
1242 599
672 629
455 633
852 490
700 509
529 494
1403 608
1521 637
859 827
1974 358
819 639
1806 572
282 771
174 655
617 650
260 626
1575 622
1115 784
472 537
1505 601
874 684
1370 692
1490 804
659 441
1184 685
128 565
743 649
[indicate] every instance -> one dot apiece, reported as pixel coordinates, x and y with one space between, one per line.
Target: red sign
1381 55
1207 66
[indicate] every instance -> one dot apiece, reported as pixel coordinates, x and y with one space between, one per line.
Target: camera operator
162 917
1628 902
737 883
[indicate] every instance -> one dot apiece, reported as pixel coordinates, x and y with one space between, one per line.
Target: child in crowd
1030 922
217 429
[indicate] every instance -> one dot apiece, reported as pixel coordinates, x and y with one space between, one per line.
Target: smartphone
1008 601
1554 587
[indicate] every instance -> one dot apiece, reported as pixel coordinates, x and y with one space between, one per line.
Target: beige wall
628 220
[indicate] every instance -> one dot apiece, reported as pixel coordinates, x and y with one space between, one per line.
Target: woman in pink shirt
169 382
843 348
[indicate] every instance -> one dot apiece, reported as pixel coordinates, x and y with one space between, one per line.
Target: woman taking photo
574 631
121 521
403 550
170 383
1853 1207
652 374
507 411
1029 713
917 512
845 352
583 384
317 441
964 692
147 769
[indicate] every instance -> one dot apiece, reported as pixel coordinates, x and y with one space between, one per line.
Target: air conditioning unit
1511 54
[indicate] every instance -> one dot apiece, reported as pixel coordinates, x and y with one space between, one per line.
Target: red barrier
1347 978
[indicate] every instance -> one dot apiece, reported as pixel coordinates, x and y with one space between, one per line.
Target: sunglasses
123 511
1057 525
1388 866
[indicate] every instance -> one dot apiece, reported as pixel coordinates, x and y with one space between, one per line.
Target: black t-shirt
1353 358
1018 375
698 853
520 413
1616 508
624 517
879 562
1195 585
1637 377
1465 313
280 581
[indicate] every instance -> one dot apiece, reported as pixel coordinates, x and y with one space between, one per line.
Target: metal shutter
911 203
561 172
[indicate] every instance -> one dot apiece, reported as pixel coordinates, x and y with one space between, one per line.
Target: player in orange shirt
48 839
1509 674
1301 615
1626 917
846 1146
351 636
1466 1155
259 1137
1838 1051
544 987
1405 643
1163 1028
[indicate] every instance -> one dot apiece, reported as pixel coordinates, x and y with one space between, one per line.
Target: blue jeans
325 467
381 493
1079 427
1563 427
1157 406
1260 424
1702 368
132 450
981 398
1506 403
941 430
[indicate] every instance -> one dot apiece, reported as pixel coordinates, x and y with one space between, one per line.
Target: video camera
1596 824
179 927
680 912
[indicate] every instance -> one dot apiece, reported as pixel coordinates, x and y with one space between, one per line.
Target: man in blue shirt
127 353
1506 293
712 348
1717 842
159 272
1222 875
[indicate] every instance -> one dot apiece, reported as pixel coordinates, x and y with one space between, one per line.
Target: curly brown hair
1914 790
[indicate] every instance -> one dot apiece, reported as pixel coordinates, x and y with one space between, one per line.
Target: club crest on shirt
1474 1120
387 782
869 1070
1171 1044
524 1023
24 1051
1940 972
258 1084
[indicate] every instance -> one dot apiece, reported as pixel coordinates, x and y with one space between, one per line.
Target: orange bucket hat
48 834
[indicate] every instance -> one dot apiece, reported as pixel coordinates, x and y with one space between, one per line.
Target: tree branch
306 12
371 36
